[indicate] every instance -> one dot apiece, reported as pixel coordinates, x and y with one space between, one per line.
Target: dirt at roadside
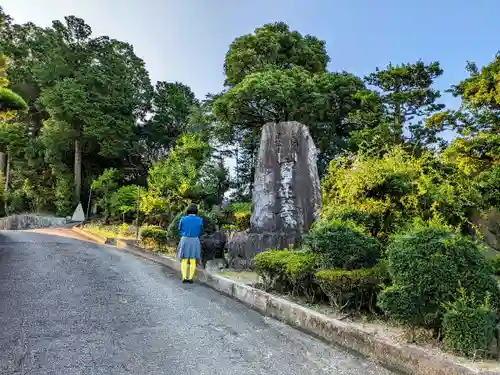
63 232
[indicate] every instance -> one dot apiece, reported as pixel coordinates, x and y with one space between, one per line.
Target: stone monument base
212 247
243 246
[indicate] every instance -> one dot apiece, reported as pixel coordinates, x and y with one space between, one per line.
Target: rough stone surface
287 194
212 246
287 191
74 307
242 246
16 222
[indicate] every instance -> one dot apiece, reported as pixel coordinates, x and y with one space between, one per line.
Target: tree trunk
398 118
398 128
7 177
78 170
3 162
237 162
3 209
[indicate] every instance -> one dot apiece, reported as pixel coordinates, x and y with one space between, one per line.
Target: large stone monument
286 196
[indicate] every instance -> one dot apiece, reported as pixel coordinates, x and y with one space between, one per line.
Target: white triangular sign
78 215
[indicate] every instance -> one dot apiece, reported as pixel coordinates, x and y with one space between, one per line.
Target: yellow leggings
185 263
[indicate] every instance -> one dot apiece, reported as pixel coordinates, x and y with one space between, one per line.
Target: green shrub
495 264
209 224
386 193
123 201
154 237
288 271
229 227
103 188
211 221
17 201
299 269
426 264
64 196
343 245
241 207
239 214
270 266
468 326
242 220
353 289
372 216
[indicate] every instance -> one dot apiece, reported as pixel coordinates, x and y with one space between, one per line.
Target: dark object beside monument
212 246
286 196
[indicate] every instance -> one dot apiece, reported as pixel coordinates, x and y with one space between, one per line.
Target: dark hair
192 210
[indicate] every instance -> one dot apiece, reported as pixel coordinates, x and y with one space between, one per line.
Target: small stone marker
78 215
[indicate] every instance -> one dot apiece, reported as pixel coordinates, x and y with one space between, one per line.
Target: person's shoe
190 282
185 281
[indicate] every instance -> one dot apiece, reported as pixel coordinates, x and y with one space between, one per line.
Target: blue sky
186 40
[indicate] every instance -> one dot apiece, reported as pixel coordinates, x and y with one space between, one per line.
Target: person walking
189 249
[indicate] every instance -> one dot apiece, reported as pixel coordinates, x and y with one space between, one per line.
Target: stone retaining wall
29 221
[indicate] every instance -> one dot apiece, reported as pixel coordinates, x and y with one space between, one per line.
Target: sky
186 40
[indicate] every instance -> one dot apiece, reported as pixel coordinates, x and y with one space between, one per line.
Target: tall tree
172 105
273 46
173 179
269 48
477 150
96 88
406 94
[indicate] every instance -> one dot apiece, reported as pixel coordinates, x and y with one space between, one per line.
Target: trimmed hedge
154 237
287 270
343 245
270 266
353 289
299 272
427 263
469 327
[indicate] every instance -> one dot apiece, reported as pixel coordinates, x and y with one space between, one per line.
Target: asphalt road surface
73 307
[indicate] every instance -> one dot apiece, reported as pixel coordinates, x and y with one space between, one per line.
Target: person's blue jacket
190 226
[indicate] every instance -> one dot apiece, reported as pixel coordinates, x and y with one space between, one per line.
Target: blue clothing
190 226
189 248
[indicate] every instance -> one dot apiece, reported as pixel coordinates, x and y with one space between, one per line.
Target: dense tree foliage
93 114
273 46
172 104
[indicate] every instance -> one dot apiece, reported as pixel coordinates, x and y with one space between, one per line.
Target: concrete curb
91 236
406 358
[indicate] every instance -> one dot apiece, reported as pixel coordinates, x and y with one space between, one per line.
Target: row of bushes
429 276
235 216
298 272
153 237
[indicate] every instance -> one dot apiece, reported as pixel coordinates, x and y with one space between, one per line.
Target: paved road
74 307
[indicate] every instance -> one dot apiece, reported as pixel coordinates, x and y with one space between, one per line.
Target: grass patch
111 231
